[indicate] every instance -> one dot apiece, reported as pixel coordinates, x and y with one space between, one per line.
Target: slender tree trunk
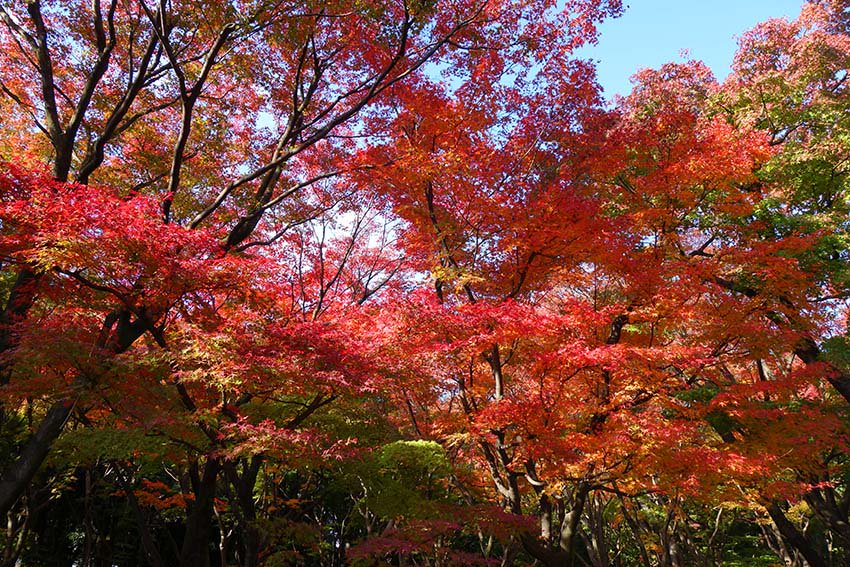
20 474
793 538
244 486
597 544
562 555
195 550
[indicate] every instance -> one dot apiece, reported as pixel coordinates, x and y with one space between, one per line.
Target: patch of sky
653 32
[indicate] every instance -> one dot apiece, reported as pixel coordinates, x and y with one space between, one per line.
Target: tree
201 138
335 282
790 83
603 293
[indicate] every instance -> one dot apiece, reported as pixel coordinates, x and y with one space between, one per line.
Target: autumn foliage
328 283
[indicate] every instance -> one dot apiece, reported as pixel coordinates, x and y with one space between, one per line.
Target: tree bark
19 475
564 554
244 486
793 538
195 550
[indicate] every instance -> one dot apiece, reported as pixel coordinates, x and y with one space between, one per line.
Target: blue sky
654 32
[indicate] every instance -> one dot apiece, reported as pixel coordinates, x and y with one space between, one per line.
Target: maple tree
607 316
223 130
345 282
796 70
562 293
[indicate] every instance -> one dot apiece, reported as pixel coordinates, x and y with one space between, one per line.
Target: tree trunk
793 538
564 554
195 550
20 474
244 486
